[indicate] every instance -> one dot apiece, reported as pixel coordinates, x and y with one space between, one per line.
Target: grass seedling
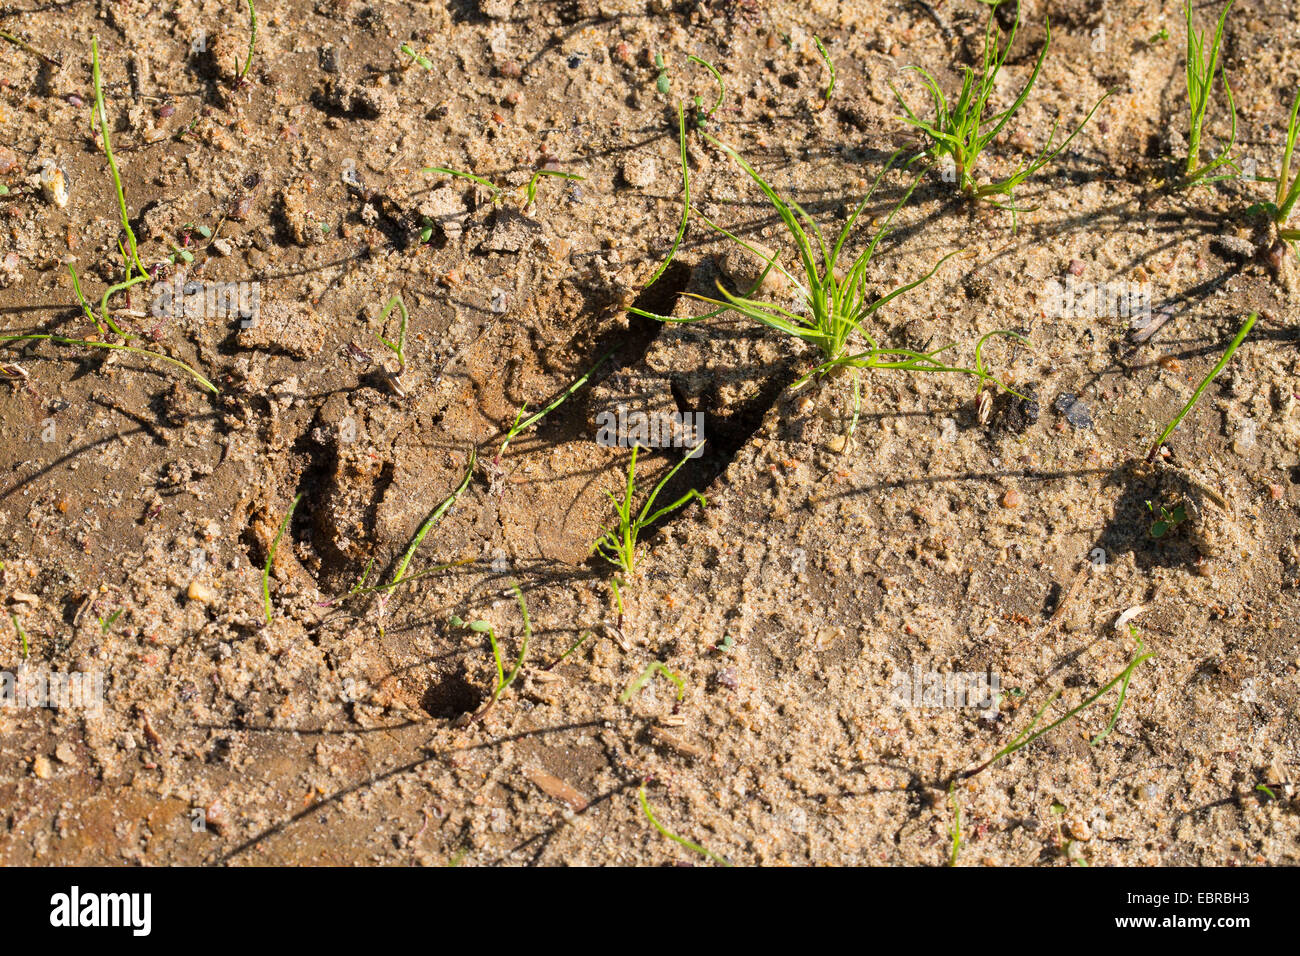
496 193
617 545
28 48
494 468
423 61
1202 63
984 398
1205 382
435 516
1288 188
399 347
702 116
963 128
104 320
1029 734
503 680
582 639
830 68
252 39
655 667
522 424
695 847
90 343
106 623
270 557
835 305
686 207
1167 521
955 830
530 192
360 587
493 190
101 114
1287 195
22 635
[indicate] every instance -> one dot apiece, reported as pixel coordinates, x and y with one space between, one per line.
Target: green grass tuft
1202 64
963 128
617 545
835 306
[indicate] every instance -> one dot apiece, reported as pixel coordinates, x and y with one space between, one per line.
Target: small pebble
54 184
197 591
1076 267
1078 828
640 171
1012 499
1075 411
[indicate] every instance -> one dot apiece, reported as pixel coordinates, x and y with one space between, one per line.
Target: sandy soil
820 568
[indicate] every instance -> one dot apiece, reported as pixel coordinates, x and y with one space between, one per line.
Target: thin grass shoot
22 636
1205 382
1030 734
1203 62
682 841
434 517
270 558
617 544
654 667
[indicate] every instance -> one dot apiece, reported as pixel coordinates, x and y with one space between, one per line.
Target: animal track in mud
371 469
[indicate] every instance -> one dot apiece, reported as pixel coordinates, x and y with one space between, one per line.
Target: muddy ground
137 509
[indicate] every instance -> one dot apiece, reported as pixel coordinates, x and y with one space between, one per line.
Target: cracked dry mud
818 570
